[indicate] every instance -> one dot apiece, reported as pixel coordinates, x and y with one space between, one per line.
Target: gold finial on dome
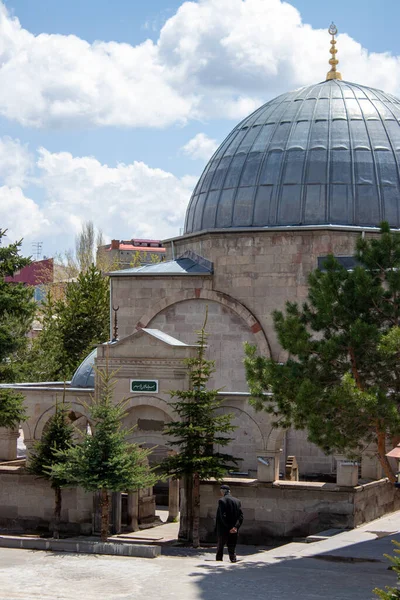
333 74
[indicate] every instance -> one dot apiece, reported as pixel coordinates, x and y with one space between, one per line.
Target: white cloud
55 80
123 201
21 216
200 147
213 58
128 200
15 162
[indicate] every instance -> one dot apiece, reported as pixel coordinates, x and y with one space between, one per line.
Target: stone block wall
264 269
311 460
27 502
227 335
297 509
373 500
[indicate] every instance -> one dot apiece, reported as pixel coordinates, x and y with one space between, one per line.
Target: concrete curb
80 546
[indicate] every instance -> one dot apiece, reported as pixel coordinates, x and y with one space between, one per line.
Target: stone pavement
346 566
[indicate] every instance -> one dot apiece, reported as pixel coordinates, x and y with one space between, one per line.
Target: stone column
133 511
8 444
347 471
173 500
268 465
116 512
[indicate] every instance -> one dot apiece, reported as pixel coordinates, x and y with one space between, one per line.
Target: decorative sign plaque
144 386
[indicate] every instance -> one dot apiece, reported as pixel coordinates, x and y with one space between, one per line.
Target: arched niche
78 415
227 333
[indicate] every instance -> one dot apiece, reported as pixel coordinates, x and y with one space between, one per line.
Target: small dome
84 375
325 154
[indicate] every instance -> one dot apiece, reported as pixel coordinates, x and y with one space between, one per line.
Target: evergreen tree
12 410
104 462
51 450
72 327
17 309
391 593
339 382
196 435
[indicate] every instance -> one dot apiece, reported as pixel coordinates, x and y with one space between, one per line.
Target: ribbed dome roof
84 375
325 154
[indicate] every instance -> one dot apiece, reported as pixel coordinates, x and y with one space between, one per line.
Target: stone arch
244 412
37 428
274 440
148 400
248 439
219 297
26 429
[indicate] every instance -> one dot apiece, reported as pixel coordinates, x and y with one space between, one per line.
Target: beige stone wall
265 269
227 334
135 295
255 273
375 499
27 502
40 401
309 457
297 509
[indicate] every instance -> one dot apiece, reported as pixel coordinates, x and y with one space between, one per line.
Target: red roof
395 453
38 272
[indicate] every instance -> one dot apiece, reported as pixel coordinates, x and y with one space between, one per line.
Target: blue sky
98 123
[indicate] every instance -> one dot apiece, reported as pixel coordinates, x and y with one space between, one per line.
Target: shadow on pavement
349 573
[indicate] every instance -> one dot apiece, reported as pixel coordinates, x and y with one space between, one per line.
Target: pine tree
340 382
72 327
391 593
17 309
197 433
104 461
12 411
51 450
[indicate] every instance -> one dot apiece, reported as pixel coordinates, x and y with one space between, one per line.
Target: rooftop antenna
115 332
333 74
37 250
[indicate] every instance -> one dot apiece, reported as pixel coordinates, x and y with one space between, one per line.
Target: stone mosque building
301 177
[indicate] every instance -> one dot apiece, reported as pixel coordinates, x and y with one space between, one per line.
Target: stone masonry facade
254 273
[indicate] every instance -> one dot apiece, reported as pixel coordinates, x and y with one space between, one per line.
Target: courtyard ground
346 566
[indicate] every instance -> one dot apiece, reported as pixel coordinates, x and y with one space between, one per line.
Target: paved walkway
346 566
161 534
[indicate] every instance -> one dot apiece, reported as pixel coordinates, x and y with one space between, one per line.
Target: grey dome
325 154
84 375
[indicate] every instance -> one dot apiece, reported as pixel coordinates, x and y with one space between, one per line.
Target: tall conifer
197 435
339 382
17 309
104 462
51 450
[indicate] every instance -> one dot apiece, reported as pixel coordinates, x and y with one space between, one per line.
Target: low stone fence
27 503
286 509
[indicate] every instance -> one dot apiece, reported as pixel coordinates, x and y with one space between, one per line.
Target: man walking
229 519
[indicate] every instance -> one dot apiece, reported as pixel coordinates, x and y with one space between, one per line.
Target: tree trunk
186 508
196 510
105 514
387 469
57 512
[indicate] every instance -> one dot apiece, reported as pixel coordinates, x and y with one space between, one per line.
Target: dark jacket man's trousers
230 539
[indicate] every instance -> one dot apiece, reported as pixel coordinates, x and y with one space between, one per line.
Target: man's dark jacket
229 514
